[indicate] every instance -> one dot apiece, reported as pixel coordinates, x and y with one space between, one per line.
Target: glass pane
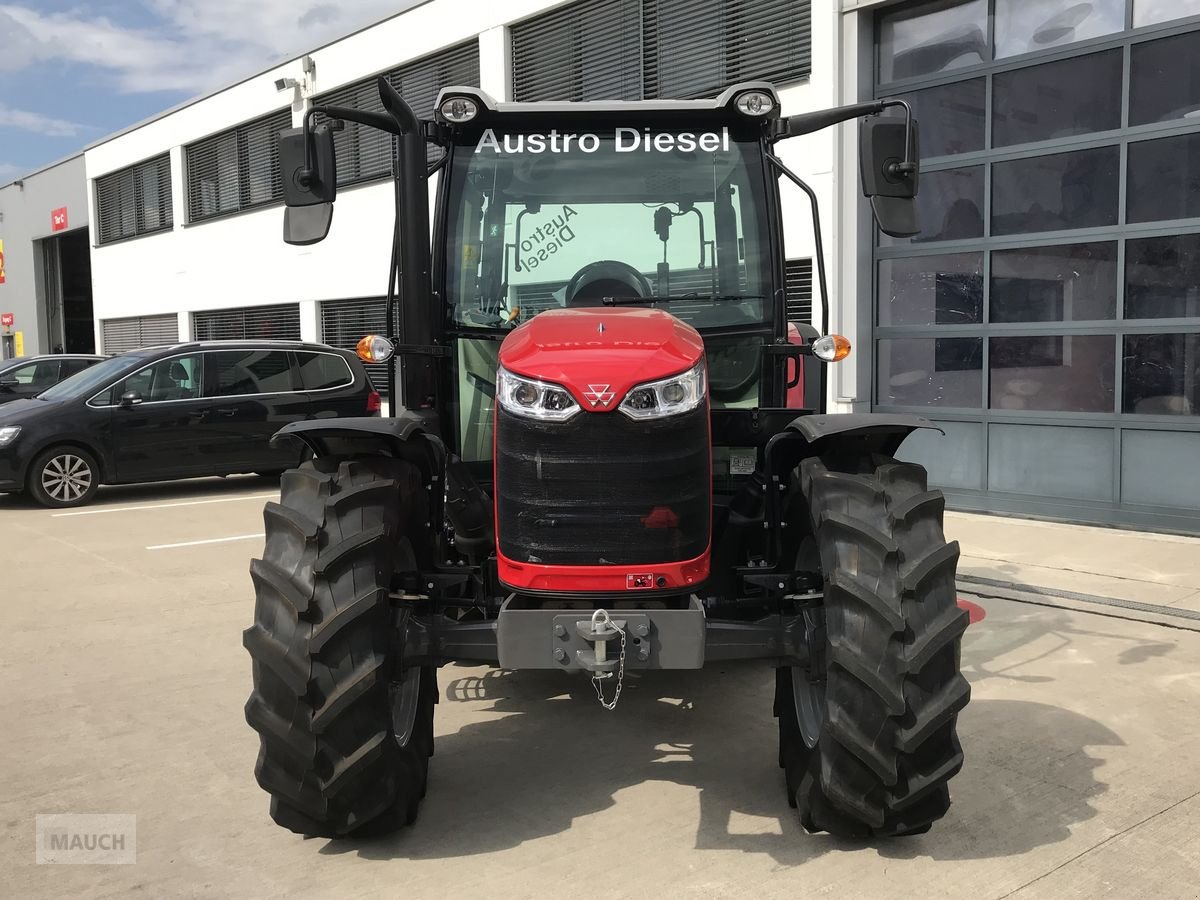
319 371
1075 283
1069 373
168 379
949 207
1023 26
1162 374
243 372
1164 82
1071 96
1162 277
931 290
1060 191
931 371
1147 12
934 37
1164 179
951 117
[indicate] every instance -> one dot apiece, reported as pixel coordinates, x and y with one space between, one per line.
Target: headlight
534 399
754 103
669 397
459 109
8 434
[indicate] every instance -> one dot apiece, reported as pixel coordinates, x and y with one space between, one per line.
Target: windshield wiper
638 301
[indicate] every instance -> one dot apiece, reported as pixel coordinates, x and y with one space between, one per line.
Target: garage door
345 322
119 335
280 322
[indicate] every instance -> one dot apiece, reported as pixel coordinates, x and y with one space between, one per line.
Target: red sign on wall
6 320
58 219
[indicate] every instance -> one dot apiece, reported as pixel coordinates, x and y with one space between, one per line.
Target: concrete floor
125 679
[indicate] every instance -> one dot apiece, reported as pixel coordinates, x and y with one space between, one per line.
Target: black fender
407 435
881 432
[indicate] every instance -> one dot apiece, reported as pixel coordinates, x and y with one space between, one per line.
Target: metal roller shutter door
345 322
280 322
120 335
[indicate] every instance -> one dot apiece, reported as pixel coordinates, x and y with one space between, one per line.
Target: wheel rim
406 696
66 477
808 688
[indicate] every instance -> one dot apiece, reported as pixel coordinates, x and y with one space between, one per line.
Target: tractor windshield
622 216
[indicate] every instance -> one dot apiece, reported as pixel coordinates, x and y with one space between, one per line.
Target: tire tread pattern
893 687
322 649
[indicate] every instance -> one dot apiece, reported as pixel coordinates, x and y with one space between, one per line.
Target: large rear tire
867 734
346 731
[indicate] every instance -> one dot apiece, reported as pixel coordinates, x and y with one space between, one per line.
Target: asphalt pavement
125 679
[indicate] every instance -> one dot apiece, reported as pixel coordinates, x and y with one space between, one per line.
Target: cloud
36 122
8 172
189 46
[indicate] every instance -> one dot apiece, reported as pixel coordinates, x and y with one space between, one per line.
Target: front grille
591 491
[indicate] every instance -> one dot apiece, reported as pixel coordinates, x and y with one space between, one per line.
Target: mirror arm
807 123
909 167
819 249
818 243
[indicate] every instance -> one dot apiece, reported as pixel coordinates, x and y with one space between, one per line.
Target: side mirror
890 173
7 384
309 178
309 167
130 399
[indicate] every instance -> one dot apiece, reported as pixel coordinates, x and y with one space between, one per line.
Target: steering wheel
606 278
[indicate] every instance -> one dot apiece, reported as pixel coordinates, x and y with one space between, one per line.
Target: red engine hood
601 350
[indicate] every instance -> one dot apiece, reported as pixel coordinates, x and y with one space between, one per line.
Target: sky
73 72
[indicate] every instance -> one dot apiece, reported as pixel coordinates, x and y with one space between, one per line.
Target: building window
279 322
134 201
345 322
799 290
365 154
1054 288
134 332
647 49
237 169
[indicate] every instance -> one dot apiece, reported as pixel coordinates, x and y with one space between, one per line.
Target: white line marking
111 509
236 537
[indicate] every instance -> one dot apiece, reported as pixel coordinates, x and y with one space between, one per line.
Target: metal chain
598 678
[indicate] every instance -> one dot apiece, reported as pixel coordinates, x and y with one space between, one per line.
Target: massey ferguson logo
599 395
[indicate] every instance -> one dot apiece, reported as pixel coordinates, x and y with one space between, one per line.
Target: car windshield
612 217
93 378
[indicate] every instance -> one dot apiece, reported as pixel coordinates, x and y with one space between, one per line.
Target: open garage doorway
67 280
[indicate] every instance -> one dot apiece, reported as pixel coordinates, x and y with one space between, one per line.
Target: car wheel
63 476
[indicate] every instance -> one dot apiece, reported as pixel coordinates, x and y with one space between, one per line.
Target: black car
201 408
30 375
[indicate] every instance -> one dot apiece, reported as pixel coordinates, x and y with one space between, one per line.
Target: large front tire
346 733
867 734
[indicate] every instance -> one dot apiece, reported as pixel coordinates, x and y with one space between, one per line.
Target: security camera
283 84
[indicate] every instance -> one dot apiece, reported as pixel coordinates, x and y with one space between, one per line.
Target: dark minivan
181 411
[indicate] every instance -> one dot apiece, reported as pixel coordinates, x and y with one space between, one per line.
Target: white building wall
241 259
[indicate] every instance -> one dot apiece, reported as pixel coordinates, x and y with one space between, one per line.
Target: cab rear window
319 371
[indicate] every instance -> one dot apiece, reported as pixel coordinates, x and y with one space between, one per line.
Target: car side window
74 366
177 378
235 373
42 373
319 371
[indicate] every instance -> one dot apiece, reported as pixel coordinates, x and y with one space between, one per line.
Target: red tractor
613 456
